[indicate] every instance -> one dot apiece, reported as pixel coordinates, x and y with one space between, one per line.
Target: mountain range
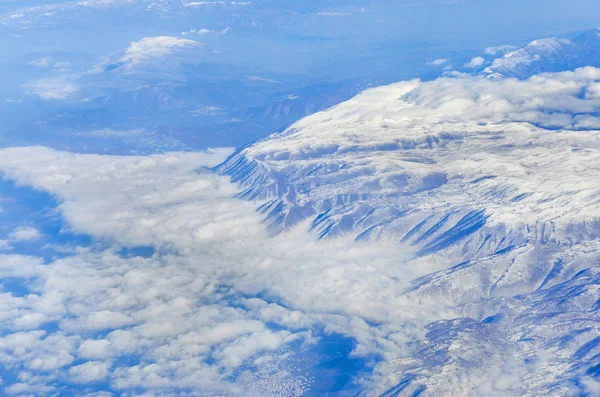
490 179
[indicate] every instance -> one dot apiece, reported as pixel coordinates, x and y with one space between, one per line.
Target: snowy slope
494 184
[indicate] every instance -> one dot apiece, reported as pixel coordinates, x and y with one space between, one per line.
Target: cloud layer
220 308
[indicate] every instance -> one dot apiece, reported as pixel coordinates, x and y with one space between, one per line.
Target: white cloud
438 62
592 386
47 62
332 14
196 31
18 266
94 349
167 307
154 47
206 111
24 389
263 79
97 394
503 49
25 234
30 321
221 3
57 88
97 321
42 62
91 371
475 62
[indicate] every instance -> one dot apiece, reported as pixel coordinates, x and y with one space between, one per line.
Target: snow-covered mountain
548 55
493 182
167 93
